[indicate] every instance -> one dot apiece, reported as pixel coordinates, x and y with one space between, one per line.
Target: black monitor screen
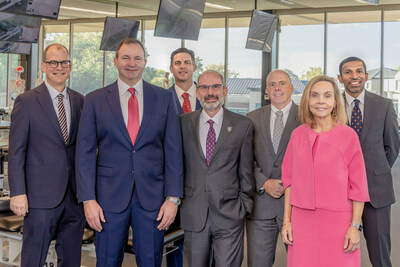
179 19
15 48
42 8
17 28
261 31
115 30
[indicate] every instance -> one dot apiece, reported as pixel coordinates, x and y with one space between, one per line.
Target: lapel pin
229 129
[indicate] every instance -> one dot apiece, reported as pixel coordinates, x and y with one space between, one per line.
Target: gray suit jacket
379 141
267 163
225 187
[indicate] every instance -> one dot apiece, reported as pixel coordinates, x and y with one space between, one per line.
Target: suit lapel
226 130
291 124
147 109
194 131
73 103
368 115
265 118
46 103
115 107
178 103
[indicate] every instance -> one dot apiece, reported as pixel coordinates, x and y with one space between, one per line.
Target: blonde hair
339 111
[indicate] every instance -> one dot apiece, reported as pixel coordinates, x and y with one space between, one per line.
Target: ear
194 67
115 61
340 78
43 67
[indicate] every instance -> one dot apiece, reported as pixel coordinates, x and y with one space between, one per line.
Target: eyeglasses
54 64
212 86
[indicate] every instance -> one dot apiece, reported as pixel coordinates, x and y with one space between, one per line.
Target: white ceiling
150 7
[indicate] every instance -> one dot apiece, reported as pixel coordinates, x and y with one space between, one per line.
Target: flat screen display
115 30
42 8
179 19
15 48
261 31
17 28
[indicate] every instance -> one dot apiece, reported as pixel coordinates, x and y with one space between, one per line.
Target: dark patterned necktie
210 143
278 130
356 118
62 118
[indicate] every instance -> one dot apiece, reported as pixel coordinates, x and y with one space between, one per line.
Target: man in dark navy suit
182 67
129 162
44 124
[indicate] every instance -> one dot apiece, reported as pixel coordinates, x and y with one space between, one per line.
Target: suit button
133 152
208 173
276 166
132 172
66 169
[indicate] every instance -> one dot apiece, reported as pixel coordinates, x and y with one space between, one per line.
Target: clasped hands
274 188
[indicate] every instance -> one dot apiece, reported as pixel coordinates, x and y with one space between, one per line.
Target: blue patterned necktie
356 118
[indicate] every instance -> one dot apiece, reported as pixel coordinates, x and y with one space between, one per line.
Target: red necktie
186 103
133 116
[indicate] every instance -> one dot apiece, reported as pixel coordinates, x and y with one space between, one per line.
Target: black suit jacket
40 164
379 141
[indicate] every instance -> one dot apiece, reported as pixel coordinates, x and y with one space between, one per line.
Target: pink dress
326 173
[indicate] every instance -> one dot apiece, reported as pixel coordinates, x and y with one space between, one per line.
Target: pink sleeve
287 165
358 185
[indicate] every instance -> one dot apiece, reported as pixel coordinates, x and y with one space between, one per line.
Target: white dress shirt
53 94
350 104
124 96
204 126
285 111
192 95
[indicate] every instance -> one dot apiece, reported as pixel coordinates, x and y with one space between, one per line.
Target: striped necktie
62 118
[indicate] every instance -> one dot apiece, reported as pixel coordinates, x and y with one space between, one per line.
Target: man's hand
94 214
274 188
19 205
167 213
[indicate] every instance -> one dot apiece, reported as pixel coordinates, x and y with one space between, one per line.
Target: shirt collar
204 118
285 110
350 99
54 93
192 91
123 87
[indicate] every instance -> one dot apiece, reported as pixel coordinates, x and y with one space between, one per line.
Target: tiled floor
89 260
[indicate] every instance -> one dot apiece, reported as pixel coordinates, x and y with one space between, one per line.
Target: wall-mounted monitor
179 19
15 48
115 30
261 31
17 28
42 8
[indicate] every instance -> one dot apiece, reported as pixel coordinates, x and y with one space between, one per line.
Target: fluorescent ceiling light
372 2
217 6
287 2
87 10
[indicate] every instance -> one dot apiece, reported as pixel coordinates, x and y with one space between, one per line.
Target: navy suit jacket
39 163
109 166
178 104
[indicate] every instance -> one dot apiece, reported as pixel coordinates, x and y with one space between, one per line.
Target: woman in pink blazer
325 182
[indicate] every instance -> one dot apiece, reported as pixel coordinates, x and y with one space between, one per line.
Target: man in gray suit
273 125
375 121
219 182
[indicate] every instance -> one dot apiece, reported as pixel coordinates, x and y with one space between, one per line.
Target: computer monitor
115 30
18 28
15 48
179 19
42 8
261 31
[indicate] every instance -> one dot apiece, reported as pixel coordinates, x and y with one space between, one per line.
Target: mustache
211 96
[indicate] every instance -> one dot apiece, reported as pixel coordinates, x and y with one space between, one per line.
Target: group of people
130 154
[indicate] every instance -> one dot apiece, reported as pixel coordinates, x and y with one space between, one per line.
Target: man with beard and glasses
375 121
182 67
219 182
